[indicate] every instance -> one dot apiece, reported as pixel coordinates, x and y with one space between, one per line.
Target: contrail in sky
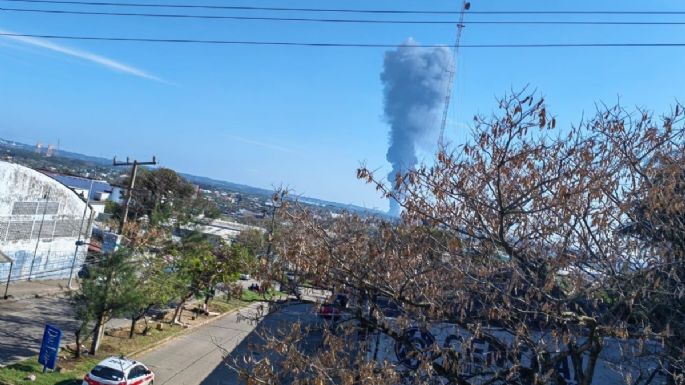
84 55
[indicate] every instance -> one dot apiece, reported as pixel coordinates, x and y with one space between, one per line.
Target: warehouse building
41 221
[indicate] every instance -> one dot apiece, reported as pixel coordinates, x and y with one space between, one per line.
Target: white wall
24 218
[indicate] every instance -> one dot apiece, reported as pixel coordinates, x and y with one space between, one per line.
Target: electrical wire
342 10
333 45
221 17
347 21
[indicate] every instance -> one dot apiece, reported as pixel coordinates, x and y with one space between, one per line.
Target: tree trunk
179 309
132 332
137 317
77 334
179 312
97 334
208 297
102 316
592 360
146 330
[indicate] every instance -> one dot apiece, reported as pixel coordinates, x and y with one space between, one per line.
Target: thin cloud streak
84 55
266 145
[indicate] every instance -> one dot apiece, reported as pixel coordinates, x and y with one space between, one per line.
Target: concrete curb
184 332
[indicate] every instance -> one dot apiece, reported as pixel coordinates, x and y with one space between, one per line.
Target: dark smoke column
414 86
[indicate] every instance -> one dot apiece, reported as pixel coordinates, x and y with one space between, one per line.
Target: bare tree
532 255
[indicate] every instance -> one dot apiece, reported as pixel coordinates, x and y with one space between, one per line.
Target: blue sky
302 117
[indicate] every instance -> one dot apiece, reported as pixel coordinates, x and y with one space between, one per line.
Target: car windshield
107 373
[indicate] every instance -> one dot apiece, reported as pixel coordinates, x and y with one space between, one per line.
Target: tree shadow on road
224 374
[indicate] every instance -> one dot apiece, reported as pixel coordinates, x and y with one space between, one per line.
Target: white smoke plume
414 86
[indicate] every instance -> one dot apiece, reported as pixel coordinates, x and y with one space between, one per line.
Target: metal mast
455 51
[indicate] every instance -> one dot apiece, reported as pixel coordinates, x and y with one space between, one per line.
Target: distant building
245 213
40 222
99 186
218 230
99 192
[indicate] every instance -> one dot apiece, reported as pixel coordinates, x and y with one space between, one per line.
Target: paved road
22 323
198 357
195 358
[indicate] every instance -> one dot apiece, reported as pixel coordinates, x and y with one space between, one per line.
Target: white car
119 371
244 277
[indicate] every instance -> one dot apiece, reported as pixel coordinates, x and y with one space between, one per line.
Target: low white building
219 229
40 221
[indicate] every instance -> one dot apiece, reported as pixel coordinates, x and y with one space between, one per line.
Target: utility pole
131 183
40 232
80 231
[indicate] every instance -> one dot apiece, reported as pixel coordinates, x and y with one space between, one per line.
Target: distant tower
453 71
39 148
51 150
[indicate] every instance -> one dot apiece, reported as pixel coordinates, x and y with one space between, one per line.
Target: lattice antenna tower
450 84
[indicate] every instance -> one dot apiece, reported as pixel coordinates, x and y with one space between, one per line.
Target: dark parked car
333 310
330 311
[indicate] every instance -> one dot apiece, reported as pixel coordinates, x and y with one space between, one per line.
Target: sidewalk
20 290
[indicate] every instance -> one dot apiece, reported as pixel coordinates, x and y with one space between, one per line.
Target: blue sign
110 242
50 347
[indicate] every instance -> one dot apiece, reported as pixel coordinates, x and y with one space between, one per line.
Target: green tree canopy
162 194
109 290
200 265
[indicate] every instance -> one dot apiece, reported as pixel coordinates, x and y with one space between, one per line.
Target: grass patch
116 342
223 306
16 374
252 296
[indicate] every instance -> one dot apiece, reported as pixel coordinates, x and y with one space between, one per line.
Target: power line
333 45
230 7
343 10
223 17
329 20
